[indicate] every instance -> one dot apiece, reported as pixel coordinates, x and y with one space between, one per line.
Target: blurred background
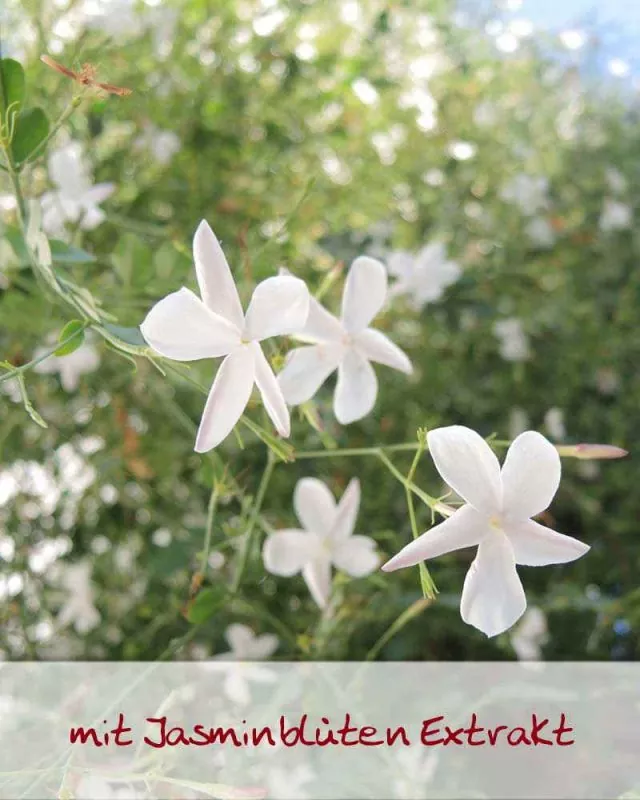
501 138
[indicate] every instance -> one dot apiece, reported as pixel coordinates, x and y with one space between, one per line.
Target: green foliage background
259 128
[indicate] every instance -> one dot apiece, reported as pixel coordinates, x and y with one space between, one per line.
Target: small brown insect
86 76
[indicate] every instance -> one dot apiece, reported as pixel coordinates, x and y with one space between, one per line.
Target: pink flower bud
592 451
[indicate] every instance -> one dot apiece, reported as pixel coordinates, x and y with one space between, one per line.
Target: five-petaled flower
184 327
422 277
347 345
238 665
76 198
326 538
497 518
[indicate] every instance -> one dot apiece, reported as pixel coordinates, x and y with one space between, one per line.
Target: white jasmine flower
245 646
347 344
184 327
75 199
162 145
615 216
514 344
541 232
326 538
496 518
530 635
79 608
554 423
422 277
527 192
71 367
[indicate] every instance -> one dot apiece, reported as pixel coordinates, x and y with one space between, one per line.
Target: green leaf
63 253
133 261
16 240
130 336
11 85
206 604
31 129
74 328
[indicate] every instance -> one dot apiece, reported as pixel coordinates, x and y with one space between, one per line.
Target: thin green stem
211 513
397 625
426 581
285 224
432 502
255 512
355 451
56 127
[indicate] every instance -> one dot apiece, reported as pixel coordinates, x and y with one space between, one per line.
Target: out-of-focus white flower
245 646
573 40
530 635
365 91
185 327
497 518
79 608
527 192
422 277
462 151
70 368
326 539
289 783
554 423
124 20
161 21
514 344
485 114
11 388
348 345
75 199
116 18
616 181
541 232
618 67
518 422
162 145
607 380
615 216
15 18
7 203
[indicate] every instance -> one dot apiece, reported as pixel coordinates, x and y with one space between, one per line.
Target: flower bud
591 451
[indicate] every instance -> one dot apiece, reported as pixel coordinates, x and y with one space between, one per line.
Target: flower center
495 522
